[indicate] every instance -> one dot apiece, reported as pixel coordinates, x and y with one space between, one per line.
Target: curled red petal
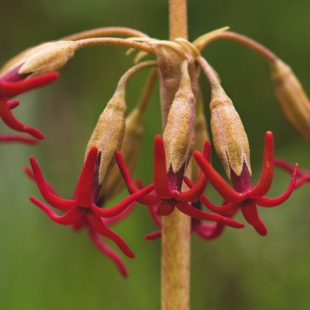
96 223
160 172
217 181
272 202
264 183
107 251
148 199
50 197
212 207
251 216
120 207
12 104
196 190
153 235
112 220
11 138
14 88
84 191
71 217
195 213
12 122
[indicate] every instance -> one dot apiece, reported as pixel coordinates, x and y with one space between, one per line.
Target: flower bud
130 151
229 137
292 98
180 129
109 132
44 58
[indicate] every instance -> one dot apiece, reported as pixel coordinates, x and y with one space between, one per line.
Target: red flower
82 211
167 195
13 84
245 196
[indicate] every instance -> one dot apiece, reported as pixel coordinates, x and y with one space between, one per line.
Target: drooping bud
44 58
229 137
109 131
180 129
292 98
131 143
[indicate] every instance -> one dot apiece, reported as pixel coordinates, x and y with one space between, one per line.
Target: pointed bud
229 137
292 98
109 132
180 129
44 58
130 151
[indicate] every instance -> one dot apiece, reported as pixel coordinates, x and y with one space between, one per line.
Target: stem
105 32
175 258
115 41
208 71
177 19
233 36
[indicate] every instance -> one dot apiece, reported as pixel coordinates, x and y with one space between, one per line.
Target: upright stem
177 19
175 259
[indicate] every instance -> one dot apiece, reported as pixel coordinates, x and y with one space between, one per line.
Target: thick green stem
175 259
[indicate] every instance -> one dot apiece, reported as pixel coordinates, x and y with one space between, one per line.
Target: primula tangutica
182 166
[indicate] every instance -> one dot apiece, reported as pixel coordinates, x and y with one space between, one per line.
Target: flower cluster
182 161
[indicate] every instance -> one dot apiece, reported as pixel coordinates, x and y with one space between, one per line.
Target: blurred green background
46 266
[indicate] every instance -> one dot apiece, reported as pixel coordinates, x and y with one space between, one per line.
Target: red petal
195 213
11 89
84 190
251 216
120 207
160 172
96 223
13 123
106 250
51 198
71 217
272 202
267 174
217 181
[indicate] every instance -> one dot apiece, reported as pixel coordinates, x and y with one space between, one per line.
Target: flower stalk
175 259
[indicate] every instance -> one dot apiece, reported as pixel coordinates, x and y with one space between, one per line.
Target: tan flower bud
180 129
46 57
109 132
292 98
130 151
229 137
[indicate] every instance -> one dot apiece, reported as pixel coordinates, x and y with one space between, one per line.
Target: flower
12 84
245 197
167 197
81 211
